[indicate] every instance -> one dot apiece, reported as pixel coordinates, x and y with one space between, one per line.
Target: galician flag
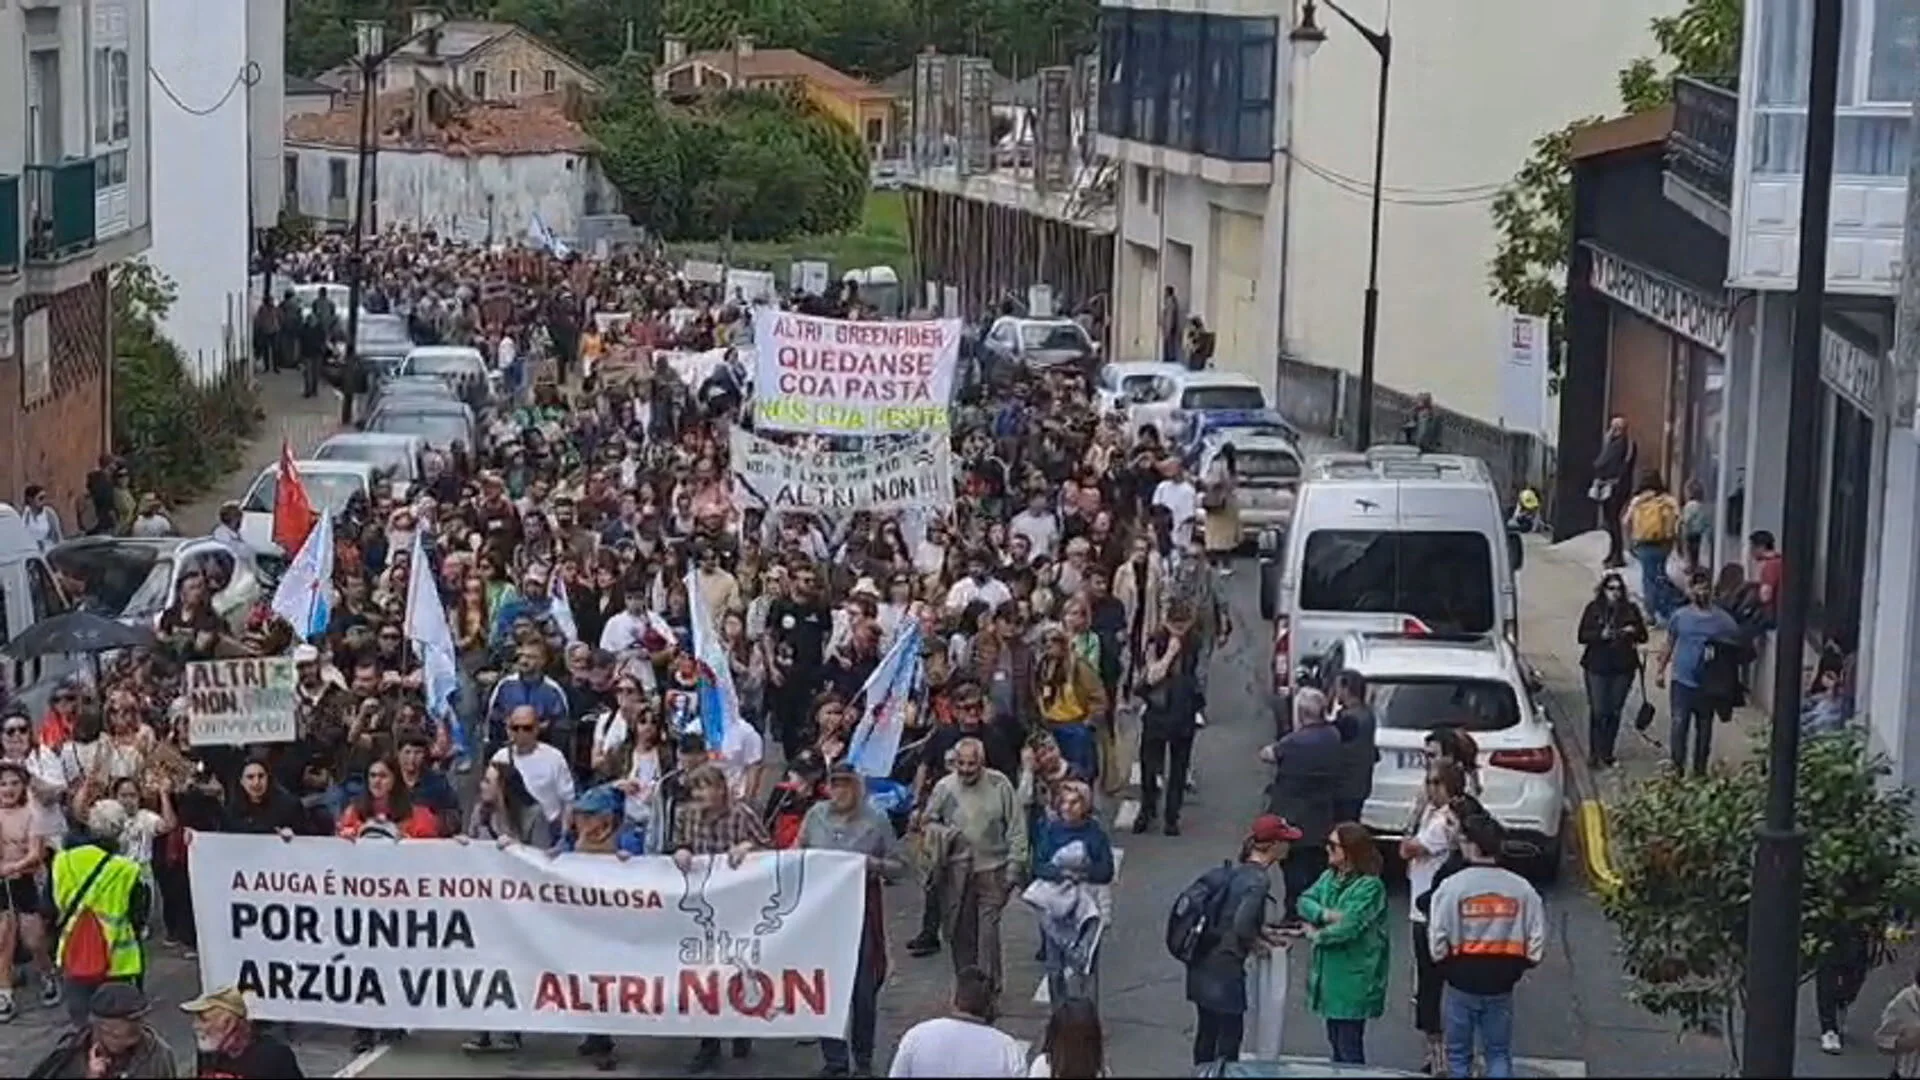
427 629
719 701
304 596
876 741
562 609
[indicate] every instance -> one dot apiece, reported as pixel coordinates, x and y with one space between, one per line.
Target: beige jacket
1899 1031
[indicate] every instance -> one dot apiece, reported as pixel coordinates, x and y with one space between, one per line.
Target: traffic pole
1773 919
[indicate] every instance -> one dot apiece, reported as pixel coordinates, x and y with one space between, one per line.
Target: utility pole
1773 921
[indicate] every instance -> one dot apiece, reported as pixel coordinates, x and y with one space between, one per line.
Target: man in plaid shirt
712 823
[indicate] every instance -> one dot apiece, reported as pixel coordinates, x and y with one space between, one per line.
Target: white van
28 593
1390 541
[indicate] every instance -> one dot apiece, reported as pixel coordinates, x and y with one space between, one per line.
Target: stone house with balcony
484 61
862 106
74 200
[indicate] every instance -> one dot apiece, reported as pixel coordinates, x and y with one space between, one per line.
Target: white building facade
204 170
1245 171
1867 583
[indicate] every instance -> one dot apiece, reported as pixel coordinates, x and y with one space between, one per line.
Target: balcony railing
1700 148
60 209
9 224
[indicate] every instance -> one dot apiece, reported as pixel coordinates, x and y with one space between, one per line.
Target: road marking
364 1061
1043 996
1565 1068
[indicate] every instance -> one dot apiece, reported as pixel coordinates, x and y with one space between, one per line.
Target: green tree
1684 852
177 436
1533 215
751 165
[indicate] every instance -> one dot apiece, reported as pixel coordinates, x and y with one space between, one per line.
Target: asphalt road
1572 1015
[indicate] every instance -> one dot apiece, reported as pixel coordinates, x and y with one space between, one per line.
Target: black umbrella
76 632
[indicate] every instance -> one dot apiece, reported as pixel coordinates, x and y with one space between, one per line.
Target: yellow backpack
1654 519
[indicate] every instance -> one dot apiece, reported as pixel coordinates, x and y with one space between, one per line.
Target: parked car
1268 469
329 485
29 592
441 423
401 457
396 387
1122 385
1418 681
1038 344
1176 406
384 341
459 366
135 579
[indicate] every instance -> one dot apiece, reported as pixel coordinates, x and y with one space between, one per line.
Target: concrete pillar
1770 371
1891 693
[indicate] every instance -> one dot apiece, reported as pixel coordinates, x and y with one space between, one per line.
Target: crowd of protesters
1064 602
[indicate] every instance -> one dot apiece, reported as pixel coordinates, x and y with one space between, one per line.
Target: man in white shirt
964 1043
1038 524
976 586
43 524
742 752
549 778
228 530
627 628
1177 493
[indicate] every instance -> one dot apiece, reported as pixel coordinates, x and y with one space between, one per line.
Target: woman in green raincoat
1346 916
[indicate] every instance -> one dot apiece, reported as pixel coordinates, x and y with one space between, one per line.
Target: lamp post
1307 37
369 63
1773 923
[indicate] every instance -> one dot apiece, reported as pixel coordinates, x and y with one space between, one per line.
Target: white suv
1418 682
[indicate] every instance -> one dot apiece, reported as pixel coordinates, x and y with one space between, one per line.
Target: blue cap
604 799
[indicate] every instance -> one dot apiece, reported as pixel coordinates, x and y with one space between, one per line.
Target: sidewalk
1555 584
305 422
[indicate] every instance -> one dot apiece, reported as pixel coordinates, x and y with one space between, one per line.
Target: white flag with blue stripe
876 741
542 236
719 701
561 609
304 596
432 638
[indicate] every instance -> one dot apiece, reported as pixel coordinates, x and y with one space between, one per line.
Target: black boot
924 945
707 1058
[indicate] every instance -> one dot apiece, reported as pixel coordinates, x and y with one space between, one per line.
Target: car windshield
1139 387
1257 465
386 330
1223 398
329 491
438 428
1424 704
443 364
1047 336
1443 579
393 457
108 577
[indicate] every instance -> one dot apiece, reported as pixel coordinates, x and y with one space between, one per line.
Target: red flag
293 515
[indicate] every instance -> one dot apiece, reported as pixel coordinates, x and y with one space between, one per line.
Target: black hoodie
280 810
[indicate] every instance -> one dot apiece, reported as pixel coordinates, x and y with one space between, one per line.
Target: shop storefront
1850 373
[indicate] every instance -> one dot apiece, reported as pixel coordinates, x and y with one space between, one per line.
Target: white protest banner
916 471
750 286
703 272
694 368
842 377
436 935
235 702
809 277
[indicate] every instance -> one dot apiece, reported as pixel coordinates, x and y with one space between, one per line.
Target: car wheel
1544 867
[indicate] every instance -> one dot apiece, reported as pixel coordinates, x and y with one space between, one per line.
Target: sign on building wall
1523 373
1053 130
1850 371
1695 315
976 115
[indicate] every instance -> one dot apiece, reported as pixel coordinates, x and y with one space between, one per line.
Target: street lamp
369 63
1773 920
1307 37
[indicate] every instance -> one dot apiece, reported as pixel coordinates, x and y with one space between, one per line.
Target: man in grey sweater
844 822
982 805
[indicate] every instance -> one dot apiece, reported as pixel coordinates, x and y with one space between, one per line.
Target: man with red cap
1233 900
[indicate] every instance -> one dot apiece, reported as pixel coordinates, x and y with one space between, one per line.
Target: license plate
1410 759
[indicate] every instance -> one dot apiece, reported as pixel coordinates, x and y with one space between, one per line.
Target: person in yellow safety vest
94 890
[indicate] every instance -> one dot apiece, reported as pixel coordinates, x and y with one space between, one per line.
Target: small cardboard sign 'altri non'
236 702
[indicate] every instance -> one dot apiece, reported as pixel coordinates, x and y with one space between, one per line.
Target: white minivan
1389 541
29 592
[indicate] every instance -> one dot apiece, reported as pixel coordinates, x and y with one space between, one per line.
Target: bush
178 437
1684 851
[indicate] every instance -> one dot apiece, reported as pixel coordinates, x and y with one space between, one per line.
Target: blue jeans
1348 1041
1606 699
1490 1016
860 1025
1655 590
1689 715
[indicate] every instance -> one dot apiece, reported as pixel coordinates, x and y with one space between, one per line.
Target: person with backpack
100 903
1215 925
1651 522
